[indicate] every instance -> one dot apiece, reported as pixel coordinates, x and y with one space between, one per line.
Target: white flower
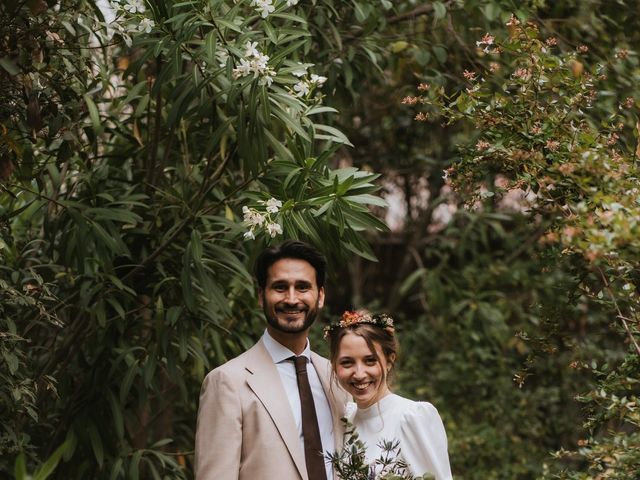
317 79
291 3
146 25
250 49
256 63
134 6
301 88
274 229
223 55
253 217
249 235
301 71
273 205
265 7
243 69
259 63
266 80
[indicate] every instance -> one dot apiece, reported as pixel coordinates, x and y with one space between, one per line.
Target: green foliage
131 141
132 137
537 135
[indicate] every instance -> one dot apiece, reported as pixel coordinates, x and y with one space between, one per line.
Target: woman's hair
373 335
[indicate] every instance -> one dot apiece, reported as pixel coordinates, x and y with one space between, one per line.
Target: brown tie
310 431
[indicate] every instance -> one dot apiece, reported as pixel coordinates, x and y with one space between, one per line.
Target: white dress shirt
280 355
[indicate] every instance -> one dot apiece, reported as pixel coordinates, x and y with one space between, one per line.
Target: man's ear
260 297
321 297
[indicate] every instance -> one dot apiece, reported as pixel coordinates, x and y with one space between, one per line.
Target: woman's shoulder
417 411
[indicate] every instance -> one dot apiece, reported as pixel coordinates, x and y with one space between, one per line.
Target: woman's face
360 371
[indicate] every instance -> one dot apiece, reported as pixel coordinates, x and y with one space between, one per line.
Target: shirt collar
279 352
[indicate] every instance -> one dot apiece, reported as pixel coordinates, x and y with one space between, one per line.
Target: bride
363 352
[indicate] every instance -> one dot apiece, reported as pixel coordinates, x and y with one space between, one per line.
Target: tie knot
300 363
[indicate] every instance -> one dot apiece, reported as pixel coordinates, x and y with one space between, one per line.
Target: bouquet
350 463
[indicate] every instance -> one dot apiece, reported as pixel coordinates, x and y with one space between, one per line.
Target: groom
258 418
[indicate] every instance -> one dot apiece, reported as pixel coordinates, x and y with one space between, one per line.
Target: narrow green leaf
440 10
410 281
210 46
125 386
9 66
116 413
334 134
134 466
96 443
50 465
20 468
195 244
94 114
367 199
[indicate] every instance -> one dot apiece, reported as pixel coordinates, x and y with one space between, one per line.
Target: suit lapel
264 381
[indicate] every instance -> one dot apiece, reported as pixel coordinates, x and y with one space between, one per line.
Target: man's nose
291 296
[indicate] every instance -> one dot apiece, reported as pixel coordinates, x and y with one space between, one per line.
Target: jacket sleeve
219 429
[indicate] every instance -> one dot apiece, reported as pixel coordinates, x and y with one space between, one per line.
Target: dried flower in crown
350 318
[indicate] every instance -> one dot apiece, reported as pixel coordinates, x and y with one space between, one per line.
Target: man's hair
290 249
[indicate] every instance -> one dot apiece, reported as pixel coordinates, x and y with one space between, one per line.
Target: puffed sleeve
423 441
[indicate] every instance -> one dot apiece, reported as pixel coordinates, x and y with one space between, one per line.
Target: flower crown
349 318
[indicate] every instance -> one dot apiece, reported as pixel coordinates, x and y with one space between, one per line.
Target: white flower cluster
133 6
306 82
254 62
256 219
125 17
265 7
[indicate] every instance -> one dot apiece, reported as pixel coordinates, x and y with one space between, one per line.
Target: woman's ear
391 362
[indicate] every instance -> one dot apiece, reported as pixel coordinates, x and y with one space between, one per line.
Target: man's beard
286 327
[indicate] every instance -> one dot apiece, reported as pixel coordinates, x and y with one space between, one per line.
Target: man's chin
290 324
291 327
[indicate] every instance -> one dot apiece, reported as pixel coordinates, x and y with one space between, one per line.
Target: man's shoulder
241 362
316 358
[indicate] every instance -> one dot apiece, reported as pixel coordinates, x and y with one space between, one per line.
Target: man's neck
296 342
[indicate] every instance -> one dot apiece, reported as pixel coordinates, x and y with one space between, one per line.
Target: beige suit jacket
246 430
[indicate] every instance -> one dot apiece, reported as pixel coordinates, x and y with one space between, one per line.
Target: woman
363 353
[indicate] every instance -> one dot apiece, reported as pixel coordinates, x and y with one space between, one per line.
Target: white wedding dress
418 427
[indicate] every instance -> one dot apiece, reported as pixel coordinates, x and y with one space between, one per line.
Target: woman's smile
360 371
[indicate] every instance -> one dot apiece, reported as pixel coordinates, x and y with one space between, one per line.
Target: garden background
469 166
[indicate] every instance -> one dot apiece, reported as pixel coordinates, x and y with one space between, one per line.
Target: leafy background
129 147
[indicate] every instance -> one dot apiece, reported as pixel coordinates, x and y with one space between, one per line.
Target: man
258 419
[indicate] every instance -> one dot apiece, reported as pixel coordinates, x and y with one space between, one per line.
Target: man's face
291 297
